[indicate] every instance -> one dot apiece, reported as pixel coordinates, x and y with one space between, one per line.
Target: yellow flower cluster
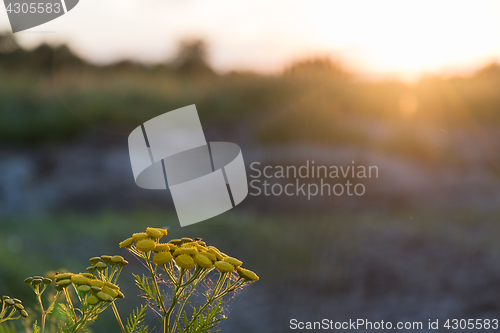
16 304
97 290
186 252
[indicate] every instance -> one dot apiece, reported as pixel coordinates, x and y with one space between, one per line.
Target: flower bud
88 275
17 301
127 242
64 283
176 242
9 302
84 288
94 260
19 307
188 250
145 245
202 243
96 283
78 279
123 263
165 231
139 236
111 285
154 233
105 297
46 281
106 259
162 258
215 252
92 300
28 280
58 288
109 291
162 247
247 274
224 267
120 294
23 313
100 265
91 269
116 259
36 282
210 256
95 289
186 240
63 276
185 261
233 261
202 260
4 297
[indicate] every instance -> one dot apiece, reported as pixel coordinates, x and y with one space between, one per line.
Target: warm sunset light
402 39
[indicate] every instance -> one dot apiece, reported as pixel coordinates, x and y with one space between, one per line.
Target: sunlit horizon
389 38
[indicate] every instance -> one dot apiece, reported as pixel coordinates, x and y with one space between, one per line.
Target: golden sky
375 37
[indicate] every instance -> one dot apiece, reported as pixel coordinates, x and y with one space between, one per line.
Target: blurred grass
58 96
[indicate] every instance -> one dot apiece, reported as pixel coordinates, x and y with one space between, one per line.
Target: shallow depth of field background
422 243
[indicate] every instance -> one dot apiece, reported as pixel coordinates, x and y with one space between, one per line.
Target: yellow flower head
111 285
139 236
23 313
78 279
88 275
247 274
209 255
94 260
127 242
92 300
105 297
145 245
184 261
84 288
100 265
96 283
177 252
106 259
116 259
214 251
165 231
202 260
109 291
64 283
162 257
233 261
172 247
120 294
224 267
186 240
154 233
162 247
188 250
176 242
62 276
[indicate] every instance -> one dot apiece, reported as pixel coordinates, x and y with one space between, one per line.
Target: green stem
117 315
68 299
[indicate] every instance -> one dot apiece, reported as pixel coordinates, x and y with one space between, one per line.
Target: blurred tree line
49 93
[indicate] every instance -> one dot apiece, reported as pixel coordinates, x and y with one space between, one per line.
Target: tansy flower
184 261
202 260
139 236
105 297
154 233
209 255
78 279
127 242
162 257
247 274
84 288
116 259
188 250
223 267
109 291
233 261
145 245
92 300
162 247
96 283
